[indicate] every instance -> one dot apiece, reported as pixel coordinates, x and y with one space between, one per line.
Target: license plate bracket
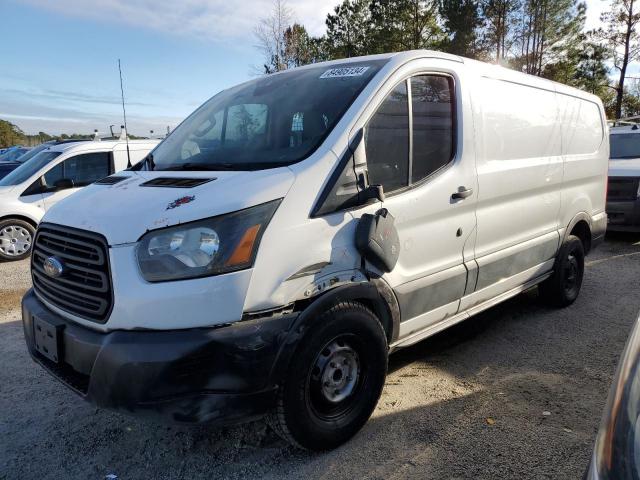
47 338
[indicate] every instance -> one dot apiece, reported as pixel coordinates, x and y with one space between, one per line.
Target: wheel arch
374 294
581 227
24 218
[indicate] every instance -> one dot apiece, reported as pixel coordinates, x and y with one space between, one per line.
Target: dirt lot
467 403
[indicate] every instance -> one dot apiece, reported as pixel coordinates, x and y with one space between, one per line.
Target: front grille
623 188
84 287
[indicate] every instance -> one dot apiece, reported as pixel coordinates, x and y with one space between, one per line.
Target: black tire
16 239
320 404
563 287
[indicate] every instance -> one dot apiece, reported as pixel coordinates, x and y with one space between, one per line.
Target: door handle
462 193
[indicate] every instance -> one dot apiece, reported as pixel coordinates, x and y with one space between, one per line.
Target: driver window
81 169
53 175
88 168
387 141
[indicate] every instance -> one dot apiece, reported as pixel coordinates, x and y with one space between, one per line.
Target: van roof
102 145
487 69
398 57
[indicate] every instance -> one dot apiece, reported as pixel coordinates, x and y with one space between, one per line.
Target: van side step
459 317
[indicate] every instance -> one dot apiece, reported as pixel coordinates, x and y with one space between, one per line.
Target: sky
58 58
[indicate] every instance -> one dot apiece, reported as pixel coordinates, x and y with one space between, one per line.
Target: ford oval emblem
53 267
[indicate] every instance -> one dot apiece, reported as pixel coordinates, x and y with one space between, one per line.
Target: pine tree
622 37
300 48
548 30
404 25
348 30
500 20
461 19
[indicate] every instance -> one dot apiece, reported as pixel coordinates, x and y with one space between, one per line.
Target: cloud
33 117
49 94
220 20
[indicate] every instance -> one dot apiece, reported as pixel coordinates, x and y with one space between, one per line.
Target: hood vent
112 180
176 182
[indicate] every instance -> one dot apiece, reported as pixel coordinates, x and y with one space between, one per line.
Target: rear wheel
563 287
16 239
335 379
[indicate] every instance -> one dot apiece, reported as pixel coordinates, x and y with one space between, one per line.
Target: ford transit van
623 194
273 250
54 173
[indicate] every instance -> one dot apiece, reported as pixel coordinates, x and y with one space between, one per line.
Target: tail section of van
298 228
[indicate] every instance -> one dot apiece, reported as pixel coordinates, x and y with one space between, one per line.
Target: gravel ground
467 403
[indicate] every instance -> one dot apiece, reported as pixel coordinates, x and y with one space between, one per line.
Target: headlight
205 247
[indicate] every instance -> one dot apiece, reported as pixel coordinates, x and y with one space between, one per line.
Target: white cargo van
296 229
52 174
623 194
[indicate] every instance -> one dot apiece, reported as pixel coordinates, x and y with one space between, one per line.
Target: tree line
545 38
11 134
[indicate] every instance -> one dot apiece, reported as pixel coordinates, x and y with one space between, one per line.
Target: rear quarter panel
585 149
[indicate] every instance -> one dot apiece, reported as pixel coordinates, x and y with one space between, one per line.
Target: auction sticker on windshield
344 72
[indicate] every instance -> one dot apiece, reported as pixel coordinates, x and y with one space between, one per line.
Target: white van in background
298 228
51 175
623 195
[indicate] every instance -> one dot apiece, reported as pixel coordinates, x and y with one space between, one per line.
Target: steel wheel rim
571 274
15 240
335 378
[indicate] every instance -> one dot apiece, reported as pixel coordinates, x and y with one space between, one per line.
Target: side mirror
63 184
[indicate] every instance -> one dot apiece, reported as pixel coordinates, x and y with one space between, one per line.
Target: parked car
616 454
9 166
12 154
51 175
623 198
296 229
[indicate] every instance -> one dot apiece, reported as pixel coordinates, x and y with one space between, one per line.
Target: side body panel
520 165
585 149
13 204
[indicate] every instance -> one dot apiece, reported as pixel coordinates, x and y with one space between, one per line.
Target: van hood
125 211
624 167
5 190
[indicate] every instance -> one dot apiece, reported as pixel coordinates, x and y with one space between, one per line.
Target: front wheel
16 239
335 379
563 287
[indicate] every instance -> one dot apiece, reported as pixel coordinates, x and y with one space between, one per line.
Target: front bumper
624 216
219 375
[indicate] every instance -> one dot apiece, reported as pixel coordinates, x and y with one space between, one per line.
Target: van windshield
32 153
25 171
269 122
624 146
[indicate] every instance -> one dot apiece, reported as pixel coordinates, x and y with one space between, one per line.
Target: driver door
414 150
75 172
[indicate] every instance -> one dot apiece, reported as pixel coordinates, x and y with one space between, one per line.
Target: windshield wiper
221 166
190 166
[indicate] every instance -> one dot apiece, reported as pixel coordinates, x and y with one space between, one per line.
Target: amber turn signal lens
243 252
